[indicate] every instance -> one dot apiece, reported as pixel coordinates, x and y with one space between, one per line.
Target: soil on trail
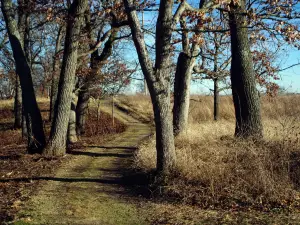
90 189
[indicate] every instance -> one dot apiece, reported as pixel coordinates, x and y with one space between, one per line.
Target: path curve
88 189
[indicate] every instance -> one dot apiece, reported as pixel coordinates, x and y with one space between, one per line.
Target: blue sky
291 78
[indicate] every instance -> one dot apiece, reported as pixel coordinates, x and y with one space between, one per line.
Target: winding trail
89 188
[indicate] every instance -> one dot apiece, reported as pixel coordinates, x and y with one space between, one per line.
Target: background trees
36 137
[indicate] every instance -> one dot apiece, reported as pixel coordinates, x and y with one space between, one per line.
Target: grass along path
89 188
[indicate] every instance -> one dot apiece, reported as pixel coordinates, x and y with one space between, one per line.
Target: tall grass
201 107
214 168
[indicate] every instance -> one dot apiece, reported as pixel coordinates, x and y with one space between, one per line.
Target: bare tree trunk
55 68
216 99
160 91
58 136
245 95
166 156
158 80
18 104
23 26
182 84
25 22
81 110
72 136
185 64
36 136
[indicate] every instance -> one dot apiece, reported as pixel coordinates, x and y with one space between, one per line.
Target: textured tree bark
185 64
81 109
245 95
182 83
166 156
58 135
23 26
216 99
36 136
158 80
55 69
18 104
72 136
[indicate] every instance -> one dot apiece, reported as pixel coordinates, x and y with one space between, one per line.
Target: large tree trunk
245 94
216 99
158 80
72 136
18 104
36 136
55 69
166 156
58 136
23 26
182 84
160 91
185 64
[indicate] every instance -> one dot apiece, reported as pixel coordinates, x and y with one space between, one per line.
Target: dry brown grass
138 106
201 107
216 169
8 103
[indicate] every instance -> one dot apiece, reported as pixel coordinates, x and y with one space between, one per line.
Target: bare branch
100 42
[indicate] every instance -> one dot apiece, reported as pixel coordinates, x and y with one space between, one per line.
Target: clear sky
291 78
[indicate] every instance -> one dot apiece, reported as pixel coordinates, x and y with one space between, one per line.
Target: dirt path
89 189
